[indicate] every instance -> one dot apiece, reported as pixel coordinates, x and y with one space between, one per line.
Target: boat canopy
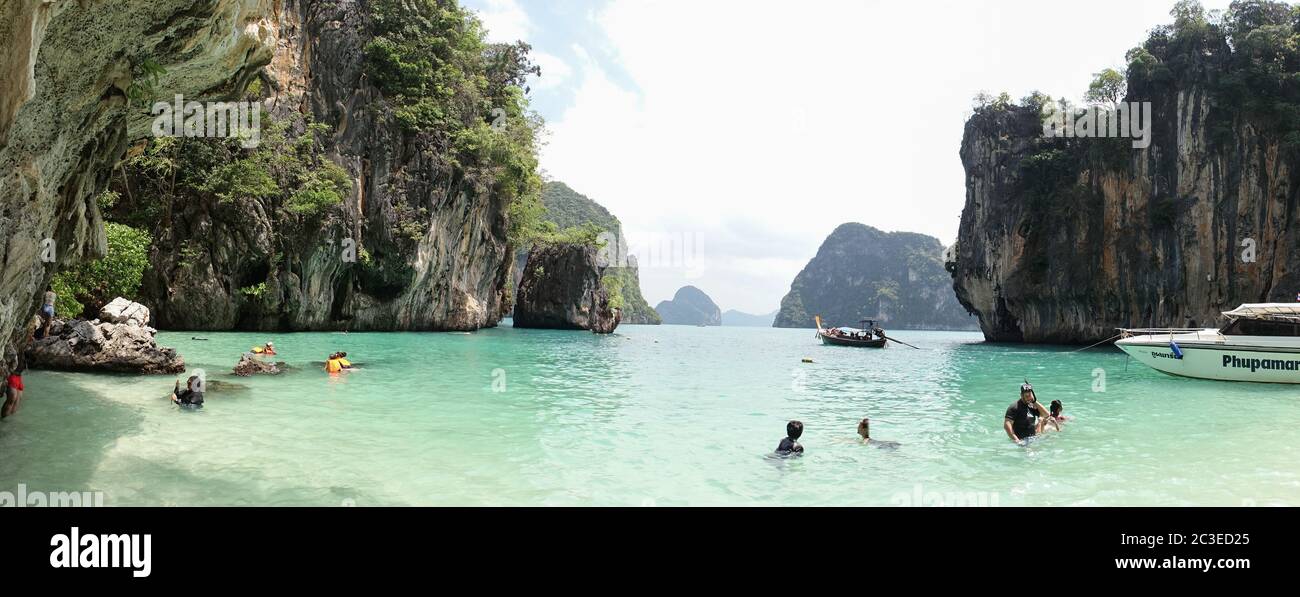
1287 311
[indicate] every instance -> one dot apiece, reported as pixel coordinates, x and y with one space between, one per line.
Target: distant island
690 306
863 273
734 318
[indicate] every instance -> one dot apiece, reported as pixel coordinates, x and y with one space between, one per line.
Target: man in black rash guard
1022 418
790 445
189 397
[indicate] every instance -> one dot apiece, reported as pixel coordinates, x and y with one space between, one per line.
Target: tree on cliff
1107 87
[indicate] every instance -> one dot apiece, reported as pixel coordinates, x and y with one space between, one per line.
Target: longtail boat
869 336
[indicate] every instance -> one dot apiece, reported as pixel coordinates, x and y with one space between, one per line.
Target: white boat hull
1204 358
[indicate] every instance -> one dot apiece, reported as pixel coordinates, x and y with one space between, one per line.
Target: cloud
758 126
505 21
555 71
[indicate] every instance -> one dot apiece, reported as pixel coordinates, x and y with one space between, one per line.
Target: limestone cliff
426 228
1064 240
69 67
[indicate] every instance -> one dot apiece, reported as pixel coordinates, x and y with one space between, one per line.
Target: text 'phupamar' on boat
1259 343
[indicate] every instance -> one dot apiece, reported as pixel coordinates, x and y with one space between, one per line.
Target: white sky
742 132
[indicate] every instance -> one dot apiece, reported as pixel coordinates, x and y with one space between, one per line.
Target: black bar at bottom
969 548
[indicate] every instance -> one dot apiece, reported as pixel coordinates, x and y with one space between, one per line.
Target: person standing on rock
47 311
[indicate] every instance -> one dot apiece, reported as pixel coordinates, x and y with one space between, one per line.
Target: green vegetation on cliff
84 288
431 60
239 233
1247 57
287 170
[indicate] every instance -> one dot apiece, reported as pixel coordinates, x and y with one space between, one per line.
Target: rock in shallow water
561 289
97 346
250 365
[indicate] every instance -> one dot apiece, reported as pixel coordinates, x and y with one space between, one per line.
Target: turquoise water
651 416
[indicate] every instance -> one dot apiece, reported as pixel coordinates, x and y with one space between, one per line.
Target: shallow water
651 416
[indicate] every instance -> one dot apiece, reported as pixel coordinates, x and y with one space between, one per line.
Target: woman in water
864 431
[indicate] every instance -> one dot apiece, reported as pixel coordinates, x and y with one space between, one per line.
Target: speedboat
1259 343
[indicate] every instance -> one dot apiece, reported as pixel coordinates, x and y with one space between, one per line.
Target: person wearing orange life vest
334 364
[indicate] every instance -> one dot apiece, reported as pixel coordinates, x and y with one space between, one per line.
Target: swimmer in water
1022 421
864 431
790 445
1055 419
189 397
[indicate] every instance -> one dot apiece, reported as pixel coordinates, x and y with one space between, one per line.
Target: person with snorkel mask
1023 417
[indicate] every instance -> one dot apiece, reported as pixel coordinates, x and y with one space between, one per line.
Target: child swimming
790 445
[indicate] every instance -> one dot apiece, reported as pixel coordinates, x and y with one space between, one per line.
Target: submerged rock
80 345
561 289
250 365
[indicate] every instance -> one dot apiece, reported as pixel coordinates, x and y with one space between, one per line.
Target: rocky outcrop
121 310
690 306
567 208
95 346
605 318
859 272
561 289
250 365
69 66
